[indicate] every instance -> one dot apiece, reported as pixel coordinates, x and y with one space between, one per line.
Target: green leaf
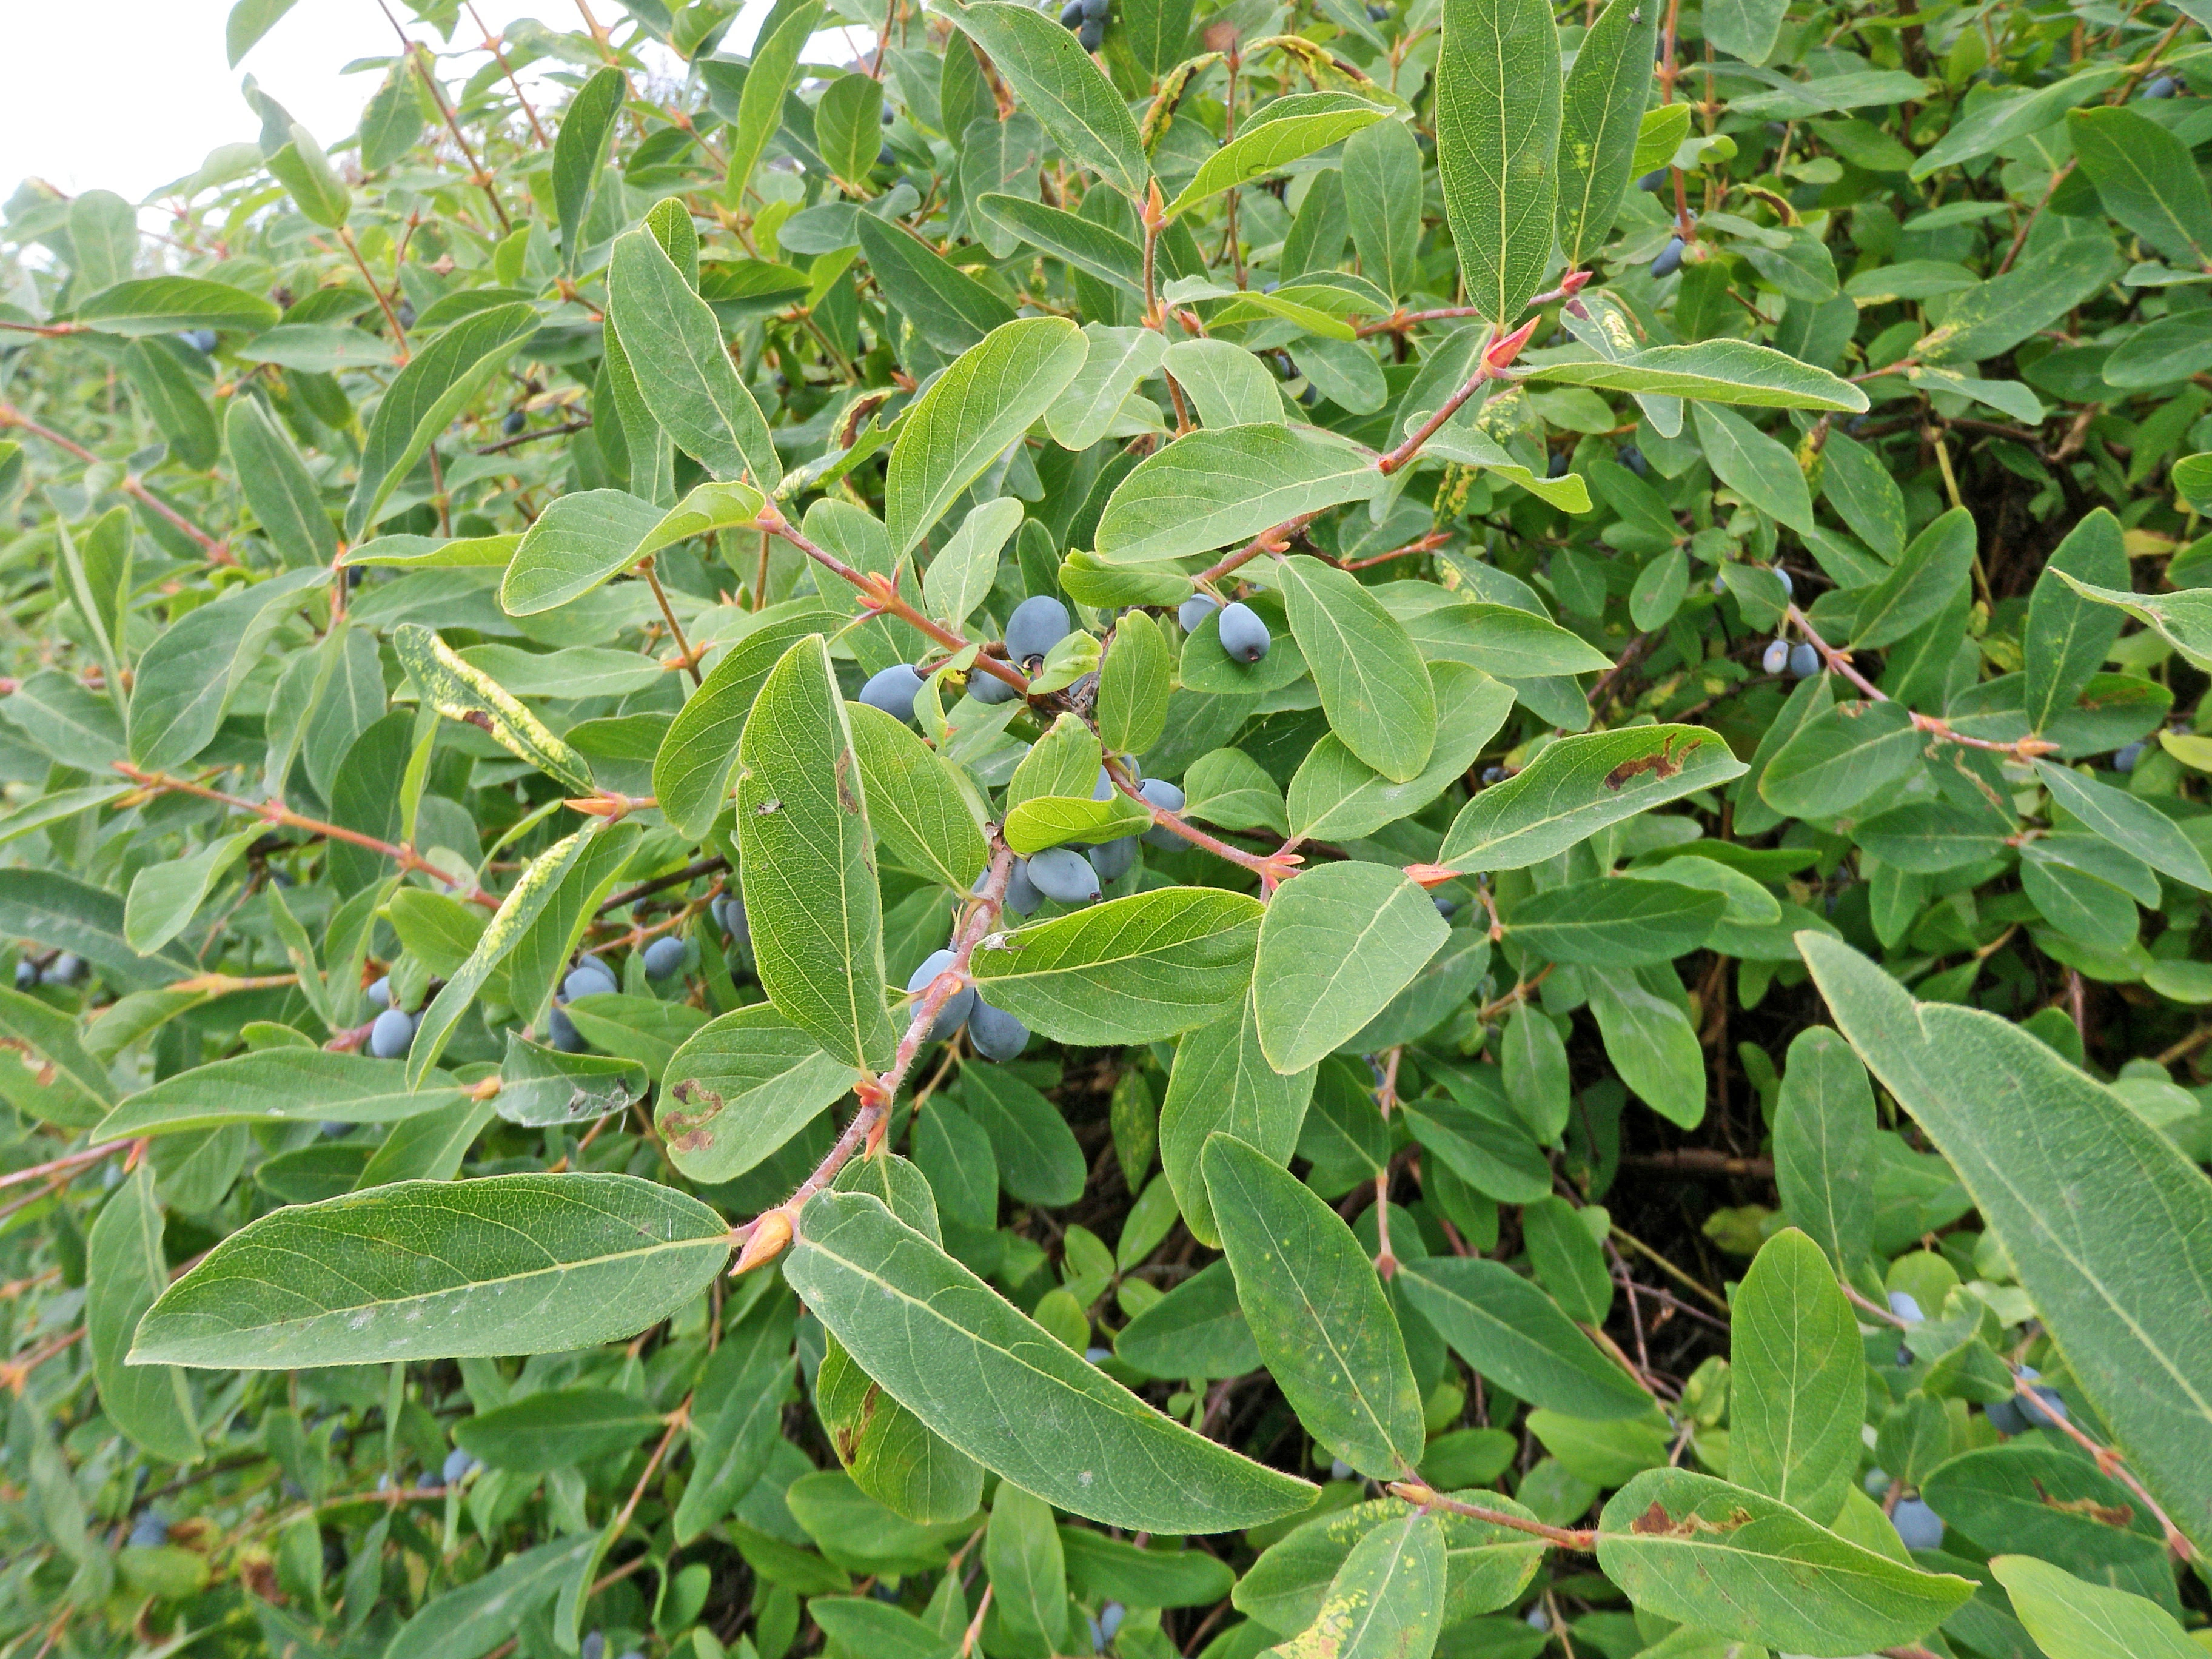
188 676
998 1388
1797 1396
248 21
540 1086
164 897
1508 1329
1990 321
1613 923
518 912
1134 970
983 402
848 126
163 305
1651 1043
1841 757
1717 371
861 1624
807 851
699 755
740 1087
1486 1565
1688 1546
2070 1619
1497 138
1602 112
278 486
960 577
760 99
675 349
2087 1196
1381 168
1027 1567
1132 685
1934 566
460 691
1221 1082
1462 440
469 1621
1275 135
2026 1495
1824 1146
583 540
1761 471
1038 1157
553 930
1579 785
441 379
1095 249
1335 796
1055 80
61 911
2133 825
276 1086
2183 620
1316 1309
1498 639
1374 687
580 153
738 1421
919 807
438 1269
1119 358
1336 945
1483 1145
2145 176
1224 484
1387 1601
1046 820
51 1076
949 309
548 1431
125 1270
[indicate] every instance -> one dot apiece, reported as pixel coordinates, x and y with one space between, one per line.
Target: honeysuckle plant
1515 691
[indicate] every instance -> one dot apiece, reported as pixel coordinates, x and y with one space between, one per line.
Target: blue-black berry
893 691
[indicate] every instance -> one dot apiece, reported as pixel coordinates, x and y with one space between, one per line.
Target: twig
1839 662
77 1159
707 867
583 423
130 484
1272 868
1413 1492
766 1234
882 595
277 813
668 615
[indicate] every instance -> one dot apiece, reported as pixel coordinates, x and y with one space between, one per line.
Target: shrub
1517 702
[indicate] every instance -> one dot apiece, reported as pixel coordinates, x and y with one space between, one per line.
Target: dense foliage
1397 807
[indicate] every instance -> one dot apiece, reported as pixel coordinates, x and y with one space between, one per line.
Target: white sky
129 94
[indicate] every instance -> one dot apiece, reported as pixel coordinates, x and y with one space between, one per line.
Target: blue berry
1021 895
893 691
1777 657
1920 1527
1670 260
1097 10
26 975
1070 15
515 421
1039 622
1789 588
148 1531
391 1034
1804 660
2125 760
1494 774
664 958
2165 87
1158 791
1653 181
2006 1417
1093 35
590 977
458 1465
731 914
954 1014
988 687
1445 906
1063 874
1632 458
378 993
595 1646
1244 635
563 1032
1112 859
1378 12
1906 1307
1560 463
996 1034
65 970
1195 610
2045 1411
